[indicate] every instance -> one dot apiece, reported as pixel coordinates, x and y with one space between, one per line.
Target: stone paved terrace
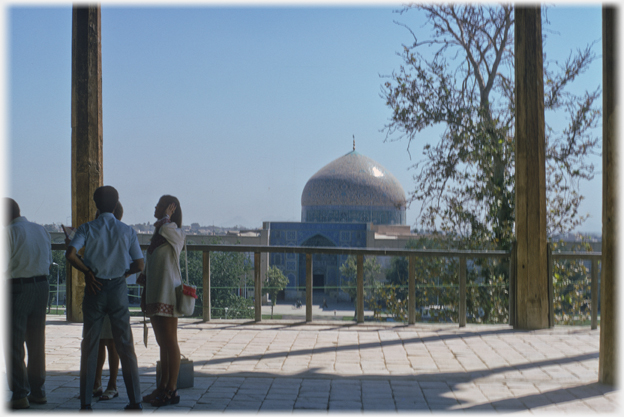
325 367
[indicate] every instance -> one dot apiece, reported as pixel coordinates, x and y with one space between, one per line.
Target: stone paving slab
278 366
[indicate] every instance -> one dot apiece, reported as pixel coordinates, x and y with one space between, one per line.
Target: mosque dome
353 188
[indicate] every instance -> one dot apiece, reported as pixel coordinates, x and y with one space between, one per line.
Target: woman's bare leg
113 364
161 338
173 351
100 364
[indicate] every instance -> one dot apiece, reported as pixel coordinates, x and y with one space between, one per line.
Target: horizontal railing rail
597 256
360 253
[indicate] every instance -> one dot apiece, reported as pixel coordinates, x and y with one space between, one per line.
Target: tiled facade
313 234
355 214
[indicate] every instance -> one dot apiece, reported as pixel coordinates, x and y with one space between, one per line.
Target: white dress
162 273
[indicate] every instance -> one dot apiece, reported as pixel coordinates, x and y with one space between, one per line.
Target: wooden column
86 123
531 277
608 363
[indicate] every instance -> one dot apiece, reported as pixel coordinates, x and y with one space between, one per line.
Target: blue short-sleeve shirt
110 246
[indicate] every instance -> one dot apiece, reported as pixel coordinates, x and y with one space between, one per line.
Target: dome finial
353 142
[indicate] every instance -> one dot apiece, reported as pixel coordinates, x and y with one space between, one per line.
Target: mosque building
351 202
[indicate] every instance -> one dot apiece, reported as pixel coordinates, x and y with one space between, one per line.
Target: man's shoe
135 406
20 404
86 407
40 400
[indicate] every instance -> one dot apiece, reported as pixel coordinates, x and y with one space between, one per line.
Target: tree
571 288
397 274
465 184
436 281
276 282
226 271
349 271
57 271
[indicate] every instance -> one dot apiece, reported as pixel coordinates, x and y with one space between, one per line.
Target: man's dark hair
12 208
106 198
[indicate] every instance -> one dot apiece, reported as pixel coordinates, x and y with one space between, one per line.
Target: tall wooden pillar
608 363
86 123
532 305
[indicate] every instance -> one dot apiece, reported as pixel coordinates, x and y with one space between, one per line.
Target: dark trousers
112 299
27 306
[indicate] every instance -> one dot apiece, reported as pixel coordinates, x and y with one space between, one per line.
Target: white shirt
29 249
110 246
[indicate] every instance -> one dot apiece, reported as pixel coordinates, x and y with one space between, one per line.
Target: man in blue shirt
29 256
111 253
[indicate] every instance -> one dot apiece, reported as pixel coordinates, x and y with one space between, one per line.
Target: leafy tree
571 287
397 274
195 267
437 284
276 282
349 271
462 78
388 298
58 257
226 271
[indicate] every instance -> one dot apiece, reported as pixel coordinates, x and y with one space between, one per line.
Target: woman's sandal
97 391
166 398
152 397
109 394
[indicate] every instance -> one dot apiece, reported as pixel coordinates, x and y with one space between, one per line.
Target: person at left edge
29 258
111 253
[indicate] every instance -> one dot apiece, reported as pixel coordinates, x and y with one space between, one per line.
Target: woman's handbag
186 294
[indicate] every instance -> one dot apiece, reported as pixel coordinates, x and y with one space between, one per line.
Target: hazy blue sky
232 109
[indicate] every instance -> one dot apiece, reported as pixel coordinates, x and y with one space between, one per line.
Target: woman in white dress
158 300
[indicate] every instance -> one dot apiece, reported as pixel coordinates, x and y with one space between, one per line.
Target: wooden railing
411 254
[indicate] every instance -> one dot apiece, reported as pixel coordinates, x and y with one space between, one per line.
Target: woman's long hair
176 217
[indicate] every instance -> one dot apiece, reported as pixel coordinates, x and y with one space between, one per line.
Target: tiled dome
357 184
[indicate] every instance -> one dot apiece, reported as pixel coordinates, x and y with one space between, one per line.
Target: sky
230 108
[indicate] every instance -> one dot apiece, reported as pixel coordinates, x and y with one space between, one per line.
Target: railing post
512 285
411 290
206 286
551 291
360 289
308 287
257 287
462 291
594 294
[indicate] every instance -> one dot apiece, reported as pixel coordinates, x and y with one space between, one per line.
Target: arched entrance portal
324 268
